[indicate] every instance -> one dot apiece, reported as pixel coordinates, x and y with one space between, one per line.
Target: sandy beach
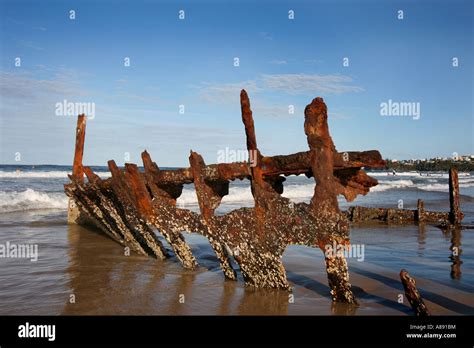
79 261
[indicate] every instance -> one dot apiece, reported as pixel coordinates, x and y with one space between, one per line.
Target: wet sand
104 281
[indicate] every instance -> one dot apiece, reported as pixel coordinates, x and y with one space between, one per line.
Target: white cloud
308 83
263 109
291 84
25 85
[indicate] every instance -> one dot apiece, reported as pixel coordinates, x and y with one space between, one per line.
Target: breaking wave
389 185
31 200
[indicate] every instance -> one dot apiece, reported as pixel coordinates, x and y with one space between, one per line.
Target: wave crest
31 200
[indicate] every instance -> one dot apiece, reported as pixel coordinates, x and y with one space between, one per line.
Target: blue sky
190 62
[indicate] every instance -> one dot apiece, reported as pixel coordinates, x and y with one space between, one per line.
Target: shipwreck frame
131 204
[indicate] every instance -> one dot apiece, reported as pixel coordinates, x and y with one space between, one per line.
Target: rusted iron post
322 150
256 181
74 213
420 211
77 170
413 295
455 214
324 203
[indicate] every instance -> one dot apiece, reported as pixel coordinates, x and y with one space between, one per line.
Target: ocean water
80 271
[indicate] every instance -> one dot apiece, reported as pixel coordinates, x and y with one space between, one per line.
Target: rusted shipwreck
131 204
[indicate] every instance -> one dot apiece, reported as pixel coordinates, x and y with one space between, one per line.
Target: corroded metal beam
73 212
413 295
455 214
293 164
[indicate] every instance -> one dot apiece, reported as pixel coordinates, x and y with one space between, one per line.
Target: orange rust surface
77 170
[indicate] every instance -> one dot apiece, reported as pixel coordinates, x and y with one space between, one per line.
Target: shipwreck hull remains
131 205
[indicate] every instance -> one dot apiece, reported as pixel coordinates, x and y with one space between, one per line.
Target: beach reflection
421 239
274 301
456 252
226 299
106 282
343 309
